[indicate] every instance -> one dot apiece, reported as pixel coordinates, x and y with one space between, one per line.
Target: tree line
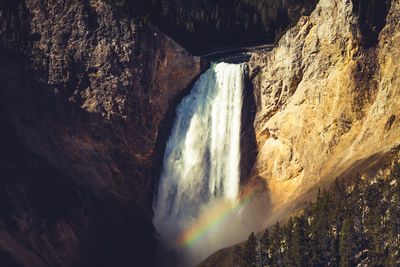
203 24
357 222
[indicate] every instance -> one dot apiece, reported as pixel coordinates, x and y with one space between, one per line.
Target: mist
199 207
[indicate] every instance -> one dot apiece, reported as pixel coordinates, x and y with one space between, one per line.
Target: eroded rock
81 108
324 101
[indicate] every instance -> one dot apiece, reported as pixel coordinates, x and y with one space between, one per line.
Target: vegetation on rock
201 25
355 223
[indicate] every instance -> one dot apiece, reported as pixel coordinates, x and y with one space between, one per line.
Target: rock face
327 100
81 103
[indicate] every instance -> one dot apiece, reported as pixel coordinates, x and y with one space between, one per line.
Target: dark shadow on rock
372 18
248 144
43 194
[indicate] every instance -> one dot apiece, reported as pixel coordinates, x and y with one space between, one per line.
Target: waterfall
201 161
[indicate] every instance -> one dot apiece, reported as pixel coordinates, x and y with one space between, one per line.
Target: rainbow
211 219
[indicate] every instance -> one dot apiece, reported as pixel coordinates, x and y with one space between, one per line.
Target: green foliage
299 242
249 254
265 244
276 245
346 244
199 26
357 222
196 24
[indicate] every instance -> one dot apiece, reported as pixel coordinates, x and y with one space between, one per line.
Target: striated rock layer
83 91
327 100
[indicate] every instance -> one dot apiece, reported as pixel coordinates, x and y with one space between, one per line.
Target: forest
204 25
356 222
199 26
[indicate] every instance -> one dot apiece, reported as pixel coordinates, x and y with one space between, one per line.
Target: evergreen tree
299 242
346 243
334 258
249 253
374 222
265 244
201 23
357 223
394 216
288 244
276 244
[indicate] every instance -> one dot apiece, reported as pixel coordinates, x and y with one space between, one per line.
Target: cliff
83 93
327 100
326 106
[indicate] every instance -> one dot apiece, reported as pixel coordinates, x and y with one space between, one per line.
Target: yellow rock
326 105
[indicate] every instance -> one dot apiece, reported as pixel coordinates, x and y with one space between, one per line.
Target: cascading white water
201 161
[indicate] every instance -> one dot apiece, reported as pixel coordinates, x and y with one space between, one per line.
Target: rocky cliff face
327 100
83 93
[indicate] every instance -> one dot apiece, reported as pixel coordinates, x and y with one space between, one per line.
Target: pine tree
249 253
288 244
374 222
265 244
276 253
299 242
394 216
346 243
357 223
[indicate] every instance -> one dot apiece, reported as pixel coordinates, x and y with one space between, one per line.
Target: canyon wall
327 106
83 93
327 100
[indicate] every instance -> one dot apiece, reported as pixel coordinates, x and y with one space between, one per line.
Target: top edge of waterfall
237 58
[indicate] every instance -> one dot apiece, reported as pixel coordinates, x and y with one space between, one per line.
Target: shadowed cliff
83 92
